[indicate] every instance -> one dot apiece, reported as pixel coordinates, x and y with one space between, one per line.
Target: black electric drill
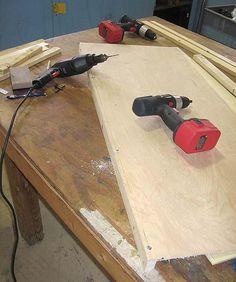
74 66
141 29
193 135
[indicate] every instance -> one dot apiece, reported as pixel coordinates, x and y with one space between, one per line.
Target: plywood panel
178 205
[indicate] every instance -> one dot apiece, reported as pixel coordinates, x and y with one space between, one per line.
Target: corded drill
192 135
74 66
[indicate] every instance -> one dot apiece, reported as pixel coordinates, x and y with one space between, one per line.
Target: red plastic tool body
196 135
111 32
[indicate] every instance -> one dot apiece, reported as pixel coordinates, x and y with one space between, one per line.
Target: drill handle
43 79
169 116
126 19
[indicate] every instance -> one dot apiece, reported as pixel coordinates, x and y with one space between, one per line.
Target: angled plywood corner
179 205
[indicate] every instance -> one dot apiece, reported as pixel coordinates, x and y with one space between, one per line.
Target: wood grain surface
170 197
61 124
216 73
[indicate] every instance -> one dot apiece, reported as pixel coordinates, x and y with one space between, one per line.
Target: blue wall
26 20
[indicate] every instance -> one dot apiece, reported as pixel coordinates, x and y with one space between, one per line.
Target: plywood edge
216 73
221 257
195 43
148 261
194 49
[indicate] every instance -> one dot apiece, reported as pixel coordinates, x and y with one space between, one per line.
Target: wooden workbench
57 151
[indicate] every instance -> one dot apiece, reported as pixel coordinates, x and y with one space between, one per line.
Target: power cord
4 148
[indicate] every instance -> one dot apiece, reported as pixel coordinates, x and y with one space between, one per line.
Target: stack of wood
28 55
205 57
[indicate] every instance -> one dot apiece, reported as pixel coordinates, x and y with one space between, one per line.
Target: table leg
26 203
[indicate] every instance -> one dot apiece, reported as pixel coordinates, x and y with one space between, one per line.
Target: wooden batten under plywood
218 61
31 52
195 43
219 258
179 205
216 73
36 59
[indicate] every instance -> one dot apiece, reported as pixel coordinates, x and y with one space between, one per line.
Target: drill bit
102 58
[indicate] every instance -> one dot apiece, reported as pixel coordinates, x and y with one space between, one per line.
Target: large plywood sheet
178 205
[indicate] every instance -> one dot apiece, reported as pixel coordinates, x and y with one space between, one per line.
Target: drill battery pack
196 135
112 32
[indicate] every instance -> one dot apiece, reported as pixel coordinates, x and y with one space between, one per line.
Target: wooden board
26 55
219 258
20 77
194 43
20 47
178 205
216 73
14 54
220 61
36 59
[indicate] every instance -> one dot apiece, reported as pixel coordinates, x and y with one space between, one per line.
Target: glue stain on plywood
118 243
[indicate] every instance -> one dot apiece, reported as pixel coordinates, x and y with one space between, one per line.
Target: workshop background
45 18
28 20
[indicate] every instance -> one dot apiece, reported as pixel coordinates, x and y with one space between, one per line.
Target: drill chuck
141 29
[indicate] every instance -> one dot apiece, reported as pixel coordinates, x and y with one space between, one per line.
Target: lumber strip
219 258
6 57
195 43
13 49
216 73
35 50
228 67
36 59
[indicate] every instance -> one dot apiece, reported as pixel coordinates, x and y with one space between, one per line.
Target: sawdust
102 166
121 245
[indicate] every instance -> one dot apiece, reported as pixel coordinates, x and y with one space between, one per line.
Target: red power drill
114 32
193 135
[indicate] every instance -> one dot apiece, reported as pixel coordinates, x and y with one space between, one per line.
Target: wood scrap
14 49
170 197
32 51
8 56
195 43
222 257
36 59
225 64
216 73
20 77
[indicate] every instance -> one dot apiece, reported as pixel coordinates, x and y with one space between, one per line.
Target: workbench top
57 143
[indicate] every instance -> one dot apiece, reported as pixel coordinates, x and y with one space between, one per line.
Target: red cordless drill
114 32
192 135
